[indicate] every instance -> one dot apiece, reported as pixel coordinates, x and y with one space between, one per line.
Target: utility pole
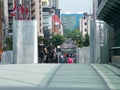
93 31
0 29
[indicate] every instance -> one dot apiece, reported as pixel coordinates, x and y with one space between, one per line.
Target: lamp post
0 29
58 53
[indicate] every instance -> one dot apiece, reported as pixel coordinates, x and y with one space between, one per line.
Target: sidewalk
24 75
59 77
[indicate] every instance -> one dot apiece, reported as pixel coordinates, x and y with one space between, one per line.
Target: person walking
41 52
50 52
70 60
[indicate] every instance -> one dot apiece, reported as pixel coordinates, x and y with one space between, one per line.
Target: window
85 30
85 23
84 17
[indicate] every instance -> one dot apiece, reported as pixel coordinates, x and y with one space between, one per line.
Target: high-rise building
71 21
7 18
36 13
45 3
34 9
85 23
51 20
53 3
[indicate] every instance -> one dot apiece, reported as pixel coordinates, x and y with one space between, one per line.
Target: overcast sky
75 6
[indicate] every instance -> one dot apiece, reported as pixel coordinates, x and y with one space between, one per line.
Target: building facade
36 14
54 3
85 24
34 9
51 18
47 22
71 21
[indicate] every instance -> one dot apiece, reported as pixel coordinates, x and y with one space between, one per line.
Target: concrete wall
83 55
94 43
25 47
99 42
7 57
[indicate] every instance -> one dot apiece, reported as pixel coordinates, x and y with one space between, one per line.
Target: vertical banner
27 13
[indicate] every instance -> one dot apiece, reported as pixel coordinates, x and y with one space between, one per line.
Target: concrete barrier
7 57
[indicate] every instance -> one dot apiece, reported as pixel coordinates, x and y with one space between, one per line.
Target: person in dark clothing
50 52
41 52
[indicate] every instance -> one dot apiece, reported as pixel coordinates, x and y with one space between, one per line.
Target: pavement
59 77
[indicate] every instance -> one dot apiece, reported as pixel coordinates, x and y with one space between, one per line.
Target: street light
58 53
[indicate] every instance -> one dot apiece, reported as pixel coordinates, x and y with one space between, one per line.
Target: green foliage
8 44
40 39
43 40
86 40
67 33
57 40
77 37
46 42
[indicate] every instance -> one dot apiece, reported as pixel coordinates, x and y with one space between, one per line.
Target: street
59 76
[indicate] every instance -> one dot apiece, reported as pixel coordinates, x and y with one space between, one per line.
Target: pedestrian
50 52
70 60
41 52
62 59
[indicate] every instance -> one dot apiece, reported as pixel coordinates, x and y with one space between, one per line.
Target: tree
57 40
43 40
77 37
8 44
86 40
40 38
67 33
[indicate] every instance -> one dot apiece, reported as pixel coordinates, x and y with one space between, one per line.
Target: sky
75 6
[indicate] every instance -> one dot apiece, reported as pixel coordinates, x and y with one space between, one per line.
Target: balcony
108 11
32 2
33 16
33 9
10 22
